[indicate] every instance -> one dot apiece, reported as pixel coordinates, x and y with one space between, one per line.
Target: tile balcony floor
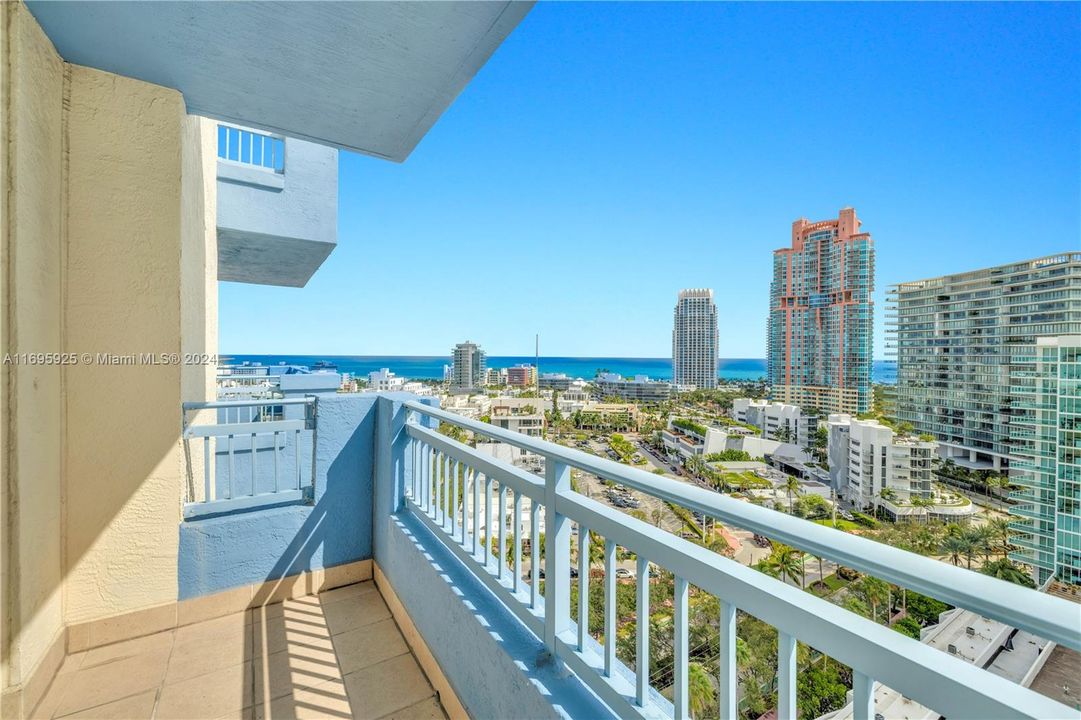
334 655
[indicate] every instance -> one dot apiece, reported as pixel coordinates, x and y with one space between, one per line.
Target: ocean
423 367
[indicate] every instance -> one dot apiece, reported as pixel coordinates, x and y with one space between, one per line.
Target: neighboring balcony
277 207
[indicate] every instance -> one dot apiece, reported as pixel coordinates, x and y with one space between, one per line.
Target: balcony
277 207
270 618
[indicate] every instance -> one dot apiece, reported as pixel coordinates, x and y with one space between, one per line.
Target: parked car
624 573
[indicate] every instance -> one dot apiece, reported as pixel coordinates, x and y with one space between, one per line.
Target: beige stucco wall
107 245
127 219
199 277
30 396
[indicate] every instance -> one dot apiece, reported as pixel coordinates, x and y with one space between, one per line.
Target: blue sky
610 154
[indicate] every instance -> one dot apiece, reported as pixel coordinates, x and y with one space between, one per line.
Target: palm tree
953 546
877 592
791 487
975 542
999 529
700 690
785 562
1003 569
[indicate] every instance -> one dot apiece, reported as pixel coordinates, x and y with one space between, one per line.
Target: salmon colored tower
821 316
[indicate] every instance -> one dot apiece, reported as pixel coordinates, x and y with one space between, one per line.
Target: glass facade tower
954 337
1045 435
820 319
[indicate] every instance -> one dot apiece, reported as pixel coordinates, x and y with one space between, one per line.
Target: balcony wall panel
252 546
31 186
136 191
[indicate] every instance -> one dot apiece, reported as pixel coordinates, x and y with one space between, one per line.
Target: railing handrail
211 404
1041 614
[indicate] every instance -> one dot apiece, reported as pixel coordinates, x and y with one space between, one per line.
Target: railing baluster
476 510
231 466
253 463
726 680
208 496
465 471
557 559
863 696
453 503
517 535
609 607
786 676
487 520
440 461
427 478
583 586
296 453
277 486
534 554
413 455
680 651
641 685
444 507
501 554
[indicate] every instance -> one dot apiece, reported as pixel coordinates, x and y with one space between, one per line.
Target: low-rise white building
688 438
470 406
873 466
777 421
418 388
384 380
640 388
521 415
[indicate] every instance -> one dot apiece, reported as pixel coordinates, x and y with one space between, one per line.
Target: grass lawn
842 524
832 583
746 479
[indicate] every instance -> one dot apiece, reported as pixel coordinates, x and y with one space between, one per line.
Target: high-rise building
694 340
954 336
820 319
1045 438
468 368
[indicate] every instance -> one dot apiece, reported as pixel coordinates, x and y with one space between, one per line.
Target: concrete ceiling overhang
366 76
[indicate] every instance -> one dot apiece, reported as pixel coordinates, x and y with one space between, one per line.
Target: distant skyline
609 155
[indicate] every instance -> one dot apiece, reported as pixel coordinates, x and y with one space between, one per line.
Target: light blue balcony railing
455 492
250 147
253 453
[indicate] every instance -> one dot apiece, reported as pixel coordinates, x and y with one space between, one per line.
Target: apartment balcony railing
251 148
453 490
252 453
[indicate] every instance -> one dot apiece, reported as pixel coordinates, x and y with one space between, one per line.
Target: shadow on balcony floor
335 655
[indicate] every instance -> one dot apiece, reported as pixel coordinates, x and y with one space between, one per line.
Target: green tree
820 689
876 592
999 530
954 547
700 690
784 562
791 487
1003 569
